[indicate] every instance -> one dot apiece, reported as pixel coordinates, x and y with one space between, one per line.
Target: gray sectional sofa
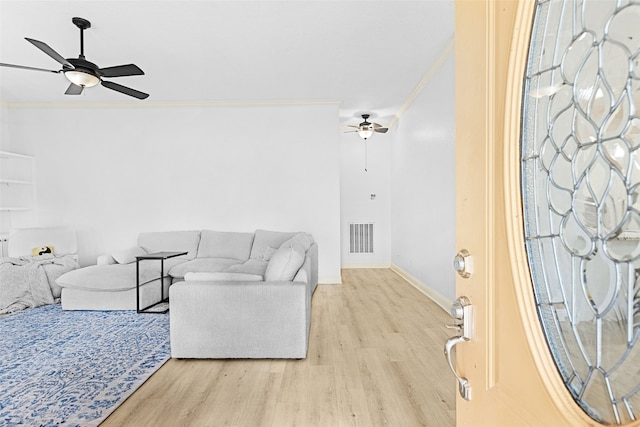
233 295
111 284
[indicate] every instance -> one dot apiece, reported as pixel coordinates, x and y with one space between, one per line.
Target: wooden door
513 378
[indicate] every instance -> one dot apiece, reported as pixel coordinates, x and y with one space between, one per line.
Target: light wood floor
375 358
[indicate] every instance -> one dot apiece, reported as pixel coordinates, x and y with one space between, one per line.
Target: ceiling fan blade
352 126
28 68
121 70
74 90
49 51
379 128
125 90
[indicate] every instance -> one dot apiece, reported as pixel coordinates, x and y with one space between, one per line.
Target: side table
161 306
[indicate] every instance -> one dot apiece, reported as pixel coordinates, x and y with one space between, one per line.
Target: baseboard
443 302
329 280
370 265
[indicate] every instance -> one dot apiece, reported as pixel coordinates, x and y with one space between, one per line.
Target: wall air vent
360 238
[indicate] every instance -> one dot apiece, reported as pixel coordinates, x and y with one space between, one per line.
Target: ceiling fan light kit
365 132
82 73
82 78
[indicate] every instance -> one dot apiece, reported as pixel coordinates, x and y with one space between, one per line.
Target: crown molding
445 53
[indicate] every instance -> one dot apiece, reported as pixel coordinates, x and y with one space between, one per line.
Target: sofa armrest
105 260
239 319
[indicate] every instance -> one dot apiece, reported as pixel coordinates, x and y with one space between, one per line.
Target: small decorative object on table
161 306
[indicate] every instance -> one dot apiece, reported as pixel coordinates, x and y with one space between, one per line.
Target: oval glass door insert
580 164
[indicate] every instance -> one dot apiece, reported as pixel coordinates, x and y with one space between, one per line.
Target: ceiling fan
366 129
82 73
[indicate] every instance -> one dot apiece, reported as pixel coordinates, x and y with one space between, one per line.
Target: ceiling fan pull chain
366 156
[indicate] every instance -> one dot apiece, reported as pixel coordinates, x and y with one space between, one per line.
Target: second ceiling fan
366 129
82 73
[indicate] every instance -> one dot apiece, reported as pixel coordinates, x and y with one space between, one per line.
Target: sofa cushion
222 276
114 277
211 265
222 244
128 256
264 239
286 262
161 241
252 266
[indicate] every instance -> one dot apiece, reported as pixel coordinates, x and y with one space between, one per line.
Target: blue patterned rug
74 368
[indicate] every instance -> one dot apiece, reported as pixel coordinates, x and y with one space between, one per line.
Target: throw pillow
42 250
264 238
301 276
286 262
305 239
267 253
128 256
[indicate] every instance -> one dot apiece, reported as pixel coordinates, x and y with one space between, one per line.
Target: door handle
463 384
462 313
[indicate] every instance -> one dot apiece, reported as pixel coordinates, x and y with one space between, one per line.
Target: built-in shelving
17 191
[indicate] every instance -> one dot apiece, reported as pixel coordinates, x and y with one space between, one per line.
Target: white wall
356 187
112 173
4 128
423 187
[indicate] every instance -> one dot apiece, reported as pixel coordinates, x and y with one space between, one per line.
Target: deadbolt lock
463 263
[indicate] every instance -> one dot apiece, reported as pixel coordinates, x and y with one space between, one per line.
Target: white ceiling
367 56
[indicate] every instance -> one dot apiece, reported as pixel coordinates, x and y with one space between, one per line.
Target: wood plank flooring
375 359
